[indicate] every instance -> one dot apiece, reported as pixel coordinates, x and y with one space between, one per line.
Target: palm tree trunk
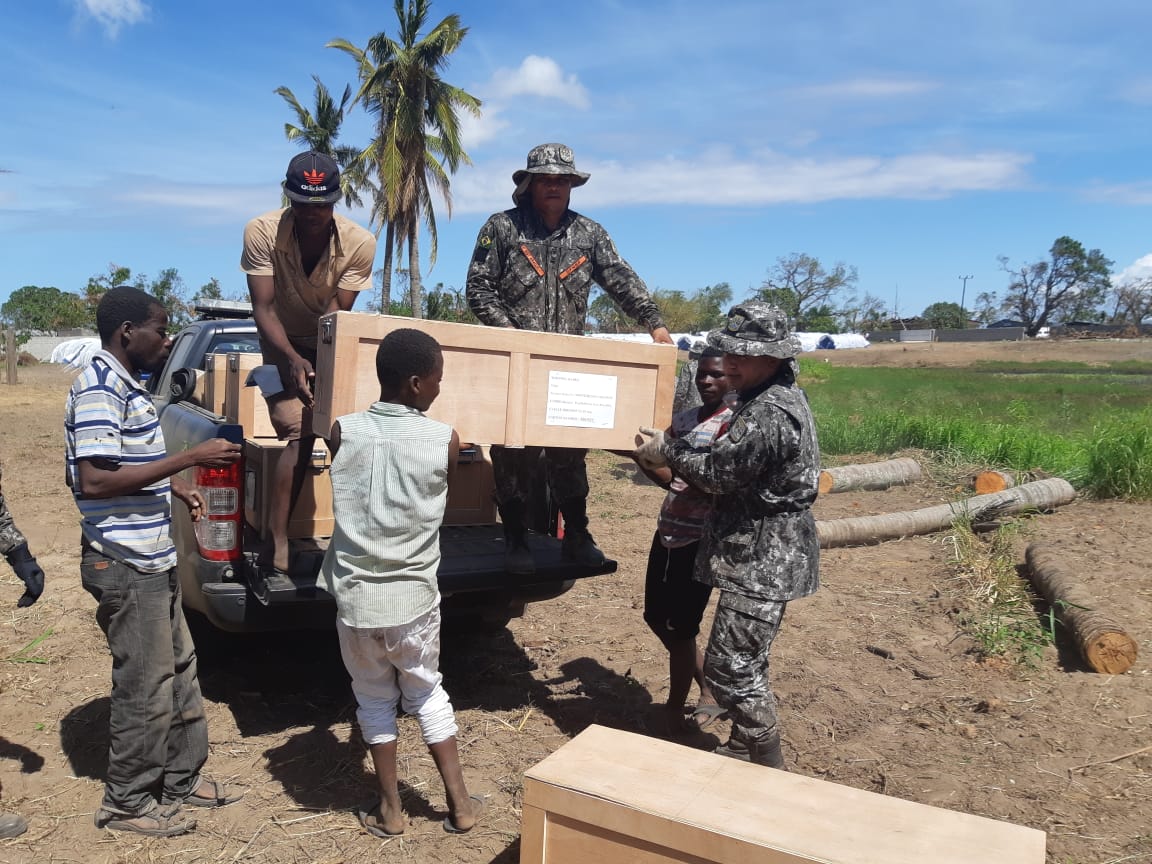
1039 495
1102 642
386 278
870 475
415 287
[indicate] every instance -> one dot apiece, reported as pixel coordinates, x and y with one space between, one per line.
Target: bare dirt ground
1043 747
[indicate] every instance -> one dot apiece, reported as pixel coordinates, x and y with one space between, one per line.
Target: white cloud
1137 194
1139 269
867 88
538 76
765 179
113 14
478 130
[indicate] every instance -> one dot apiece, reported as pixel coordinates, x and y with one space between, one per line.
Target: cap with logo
756 329
313 178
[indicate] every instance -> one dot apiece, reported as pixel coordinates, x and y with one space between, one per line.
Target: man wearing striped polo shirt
123 480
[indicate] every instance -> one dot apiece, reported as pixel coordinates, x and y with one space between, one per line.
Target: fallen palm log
1039 495
1103 643
870 475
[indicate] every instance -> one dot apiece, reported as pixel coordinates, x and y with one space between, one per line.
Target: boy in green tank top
391 469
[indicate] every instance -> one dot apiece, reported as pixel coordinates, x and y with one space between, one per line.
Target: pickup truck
217 556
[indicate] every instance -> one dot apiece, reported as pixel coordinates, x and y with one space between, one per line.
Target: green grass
1090 425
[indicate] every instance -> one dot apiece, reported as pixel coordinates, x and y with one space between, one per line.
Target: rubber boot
578 545
517 556
12 825
764 752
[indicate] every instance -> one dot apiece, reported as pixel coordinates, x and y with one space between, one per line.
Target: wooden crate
312 515
243 402
613 797
502 386
470 502
215 382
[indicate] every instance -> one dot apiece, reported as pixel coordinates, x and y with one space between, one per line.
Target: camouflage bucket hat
550 159
756 329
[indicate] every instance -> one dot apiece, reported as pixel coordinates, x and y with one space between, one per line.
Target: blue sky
915 141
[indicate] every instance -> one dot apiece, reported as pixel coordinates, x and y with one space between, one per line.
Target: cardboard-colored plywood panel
312 515
728 812
498 382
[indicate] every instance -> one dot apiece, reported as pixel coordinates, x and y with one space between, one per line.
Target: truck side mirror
183 384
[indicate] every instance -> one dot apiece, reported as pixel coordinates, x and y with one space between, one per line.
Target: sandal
478 804
707 713
369 816
220 795
154 823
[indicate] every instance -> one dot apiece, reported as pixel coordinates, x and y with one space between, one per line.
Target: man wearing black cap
532 269
302 262
760 546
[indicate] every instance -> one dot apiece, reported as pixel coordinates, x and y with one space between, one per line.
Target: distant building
1006 322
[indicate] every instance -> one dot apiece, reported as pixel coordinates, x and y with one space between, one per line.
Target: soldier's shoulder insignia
737 430
483 246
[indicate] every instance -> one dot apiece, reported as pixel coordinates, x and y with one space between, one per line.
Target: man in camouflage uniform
15 549
760 547
532 269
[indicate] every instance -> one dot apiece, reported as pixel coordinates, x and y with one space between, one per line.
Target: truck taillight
220 531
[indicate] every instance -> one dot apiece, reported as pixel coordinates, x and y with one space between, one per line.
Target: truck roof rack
210 309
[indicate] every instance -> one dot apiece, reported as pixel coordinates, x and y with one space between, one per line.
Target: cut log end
992 481
824 484
1111 653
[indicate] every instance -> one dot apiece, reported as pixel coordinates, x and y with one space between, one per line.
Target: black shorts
674 602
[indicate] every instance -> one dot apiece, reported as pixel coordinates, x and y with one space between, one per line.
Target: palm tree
417 144
318 129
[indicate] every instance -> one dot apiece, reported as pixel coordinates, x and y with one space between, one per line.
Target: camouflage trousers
515 472
736 663
10 536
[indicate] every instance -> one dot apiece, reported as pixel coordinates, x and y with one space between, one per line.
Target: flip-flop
220 797
370 820
479 803
155 823
710 712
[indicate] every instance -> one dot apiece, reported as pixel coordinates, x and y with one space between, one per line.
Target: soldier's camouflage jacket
760 543
533 279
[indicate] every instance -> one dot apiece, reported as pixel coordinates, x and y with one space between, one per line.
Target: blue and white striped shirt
110 416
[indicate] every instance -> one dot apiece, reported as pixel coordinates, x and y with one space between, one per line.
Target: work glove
649 450
30 574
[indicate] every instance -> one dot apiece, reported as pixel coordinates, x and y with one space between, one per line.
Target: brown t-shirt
270 249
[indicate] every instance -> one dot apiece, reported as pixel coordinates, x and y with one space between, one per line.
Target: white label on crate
581 399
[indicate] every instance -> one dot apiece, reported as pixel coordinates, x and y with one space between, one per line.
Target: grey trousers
158 734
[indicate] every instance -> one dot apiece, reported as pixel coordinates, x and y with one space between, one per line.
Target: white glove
649 450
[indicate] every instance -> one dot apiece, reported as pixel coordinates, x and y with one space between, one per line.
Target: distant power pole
963 290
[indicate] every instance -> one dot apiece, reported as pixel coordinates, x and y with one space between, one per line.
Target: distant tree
945 316
1044 292
988 307
168 288
713 301
447 304
606 316
1132 301
798 283
680 313
98 285
861 315
44 310
819 319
